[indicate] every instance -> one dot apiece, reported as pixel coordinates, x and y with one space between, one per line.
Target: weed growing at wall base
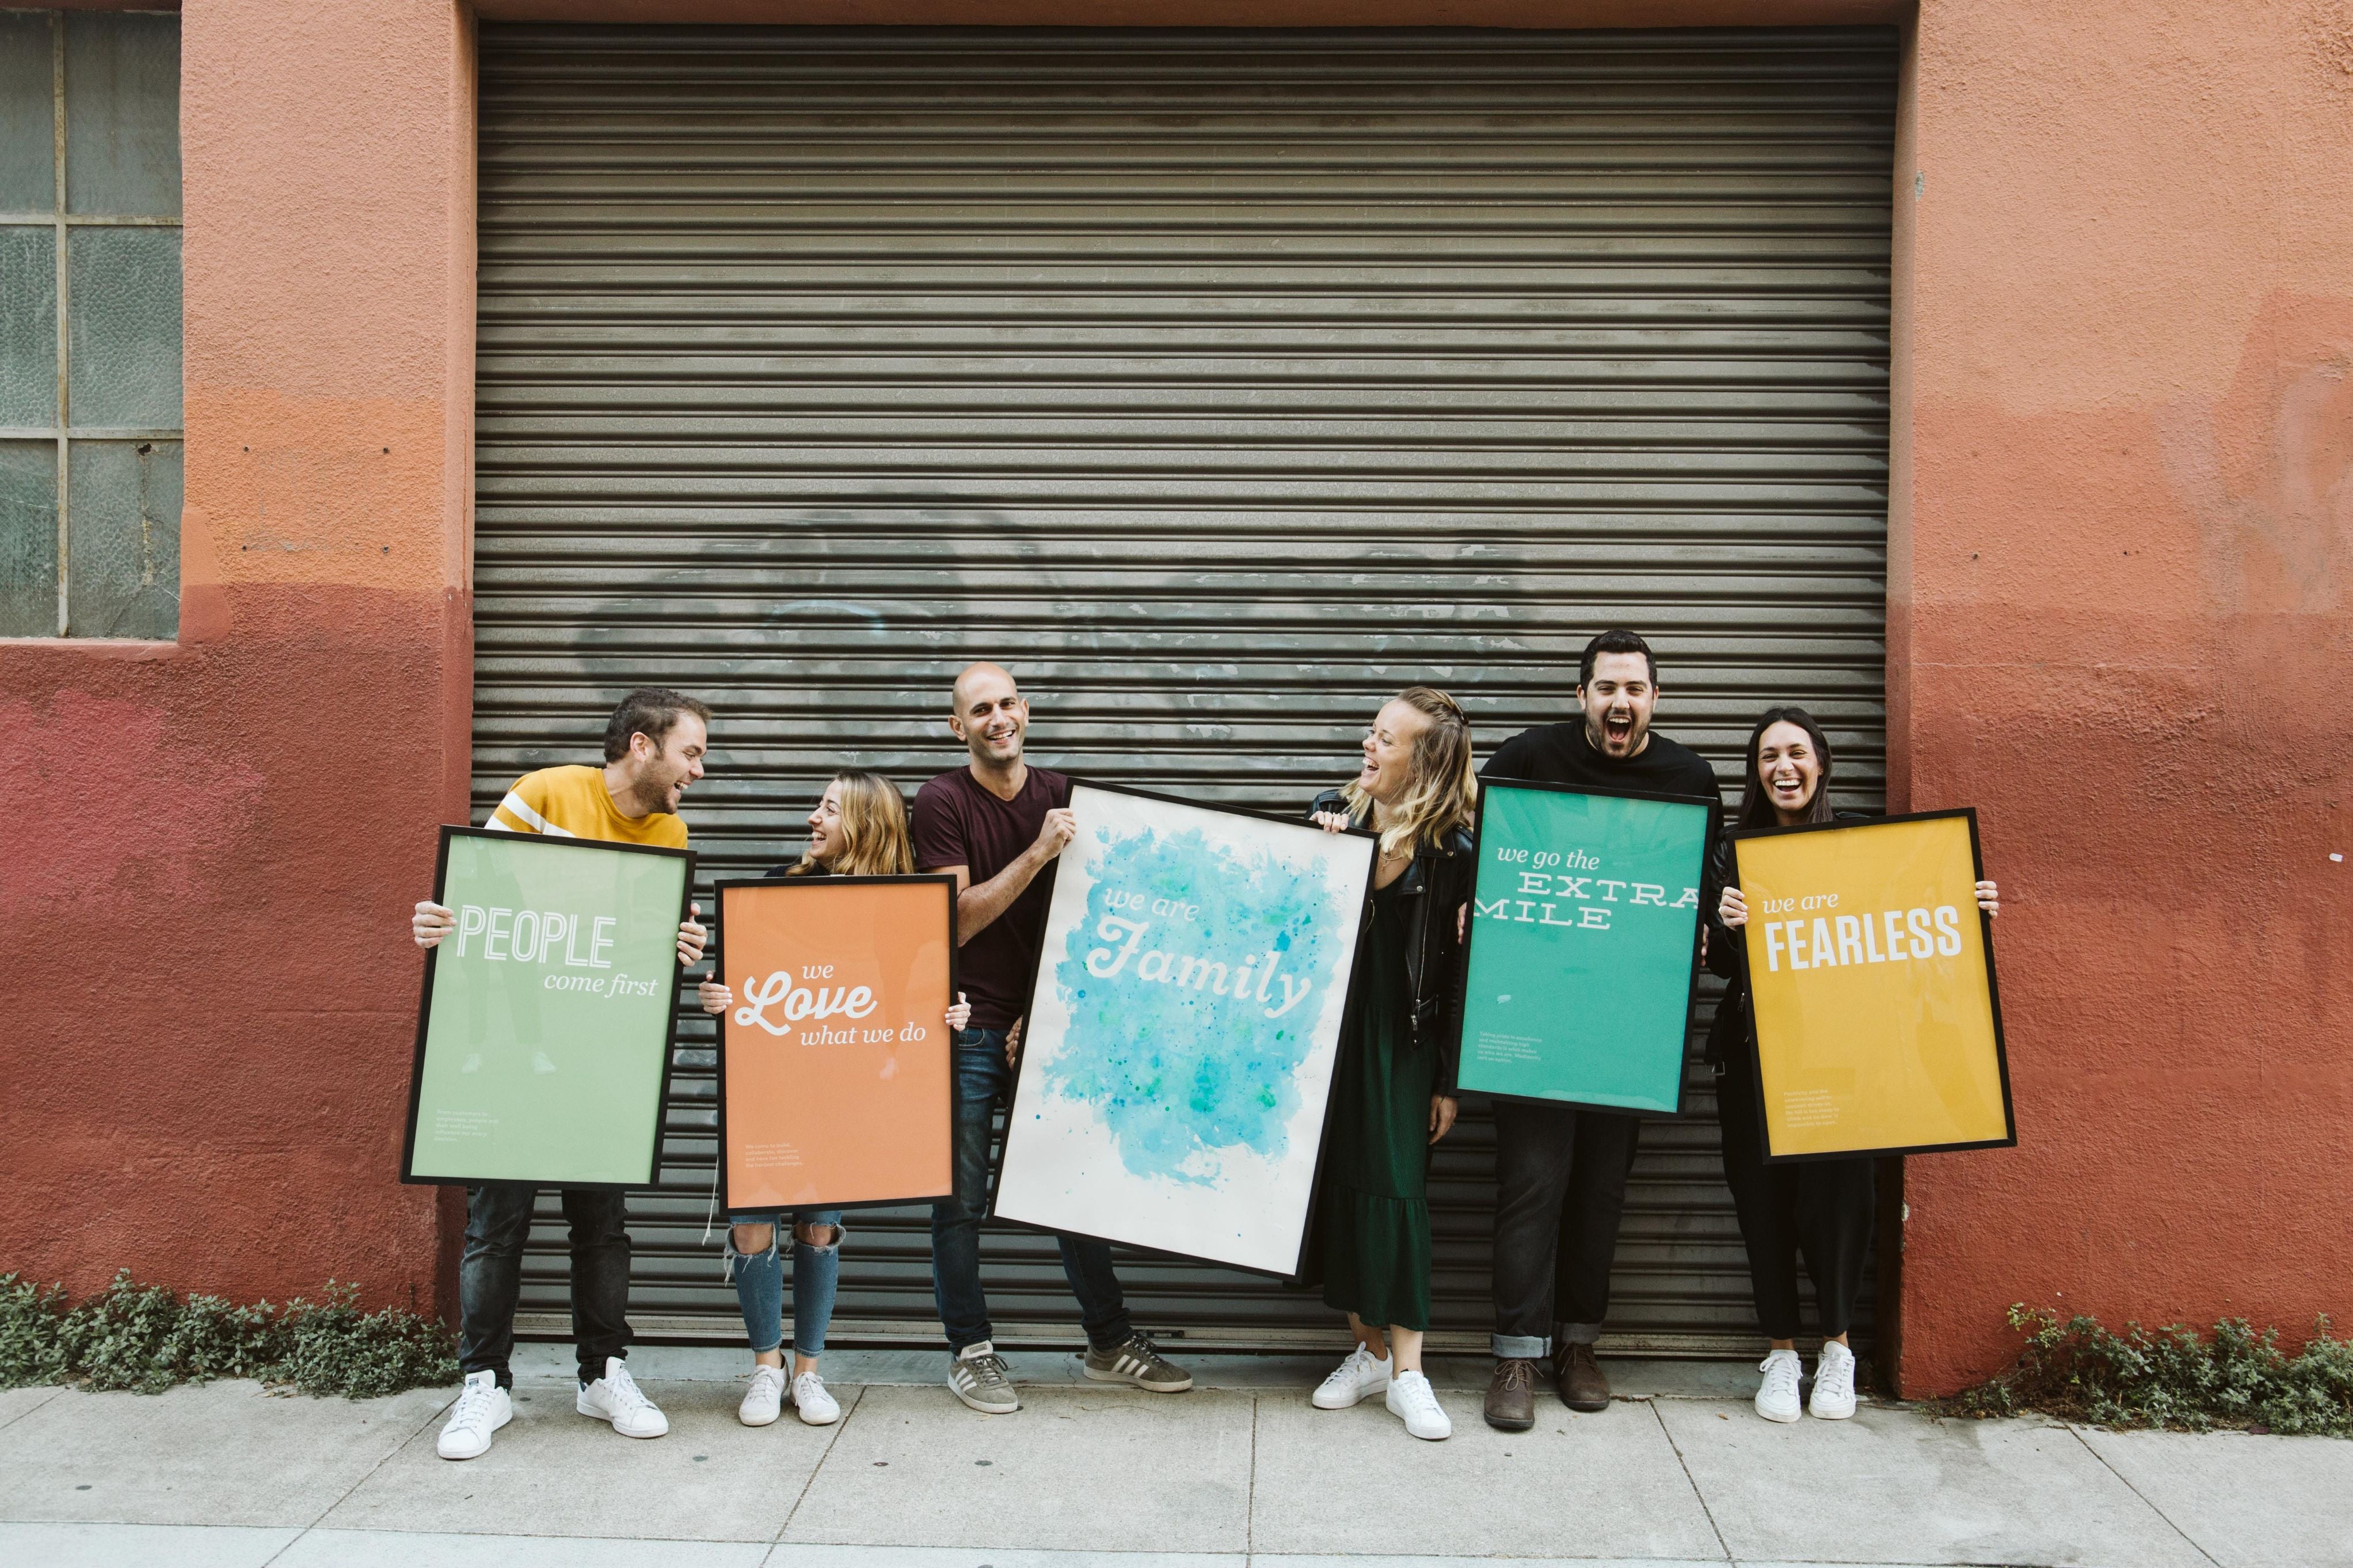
145 1339
2173 1377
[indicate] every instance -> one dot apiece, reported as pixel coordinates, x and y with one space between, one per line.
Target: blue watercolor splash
1178 1072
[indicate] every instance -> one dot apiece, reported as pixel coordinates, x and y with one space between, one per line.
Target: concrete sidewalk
1243 1470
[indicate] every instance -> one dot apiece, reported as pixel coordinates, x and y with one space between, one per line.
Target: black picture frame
1324 1129
1682 1112
450 833
1756 1109
720 891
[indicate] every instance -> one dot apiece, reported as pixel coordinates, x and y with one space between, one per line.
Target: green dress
1375 1208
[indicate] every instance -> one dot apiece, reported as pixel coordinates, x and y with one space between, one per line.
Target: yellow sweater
573 803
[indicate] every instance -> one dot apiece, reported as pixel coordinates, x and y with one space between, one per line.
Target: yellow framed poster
1877 1025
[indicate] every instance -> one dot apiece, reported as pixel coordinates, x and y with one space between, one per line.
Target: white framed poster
1183 1027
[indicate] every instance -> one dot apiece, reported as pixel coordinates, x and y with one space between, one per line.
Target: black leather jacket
1436 885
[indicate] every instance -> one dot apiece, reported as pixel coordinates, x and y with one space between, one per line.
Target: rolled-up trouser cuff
1521 1347
1577 1334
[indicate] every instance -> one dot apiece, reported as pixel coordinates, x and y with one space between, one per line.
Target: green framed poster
543 1036
1584 945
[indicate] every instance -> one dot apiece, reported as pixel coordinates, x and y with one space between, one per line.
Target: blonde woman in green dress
1393 1091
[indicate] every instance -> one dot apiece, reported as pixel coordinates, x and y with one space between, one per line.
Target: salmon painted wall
204 882
2123 557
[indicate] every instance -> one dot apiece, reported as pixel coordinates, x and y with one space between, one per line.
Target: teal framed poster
543 1036
1584 945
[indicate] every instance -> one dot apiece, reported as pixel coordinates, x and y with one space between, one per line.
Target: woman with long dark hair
1819 1209
1393 1087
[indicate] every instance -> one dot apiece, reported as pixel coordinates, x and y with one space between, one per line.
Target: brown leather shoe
1511 1395
1578 1377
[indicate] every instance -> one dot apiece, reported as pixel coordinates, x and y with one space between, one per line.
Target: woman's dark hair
1755 805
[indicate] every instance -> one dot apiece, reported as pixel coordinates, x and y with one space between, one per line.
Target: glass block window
89 324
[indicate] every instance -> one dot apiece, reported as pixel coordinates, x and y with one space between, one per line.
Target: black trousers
489 1276
1560 1189
1823 1209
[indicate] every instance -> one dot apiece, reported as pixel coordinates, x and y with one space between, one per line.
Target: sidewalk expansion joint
1693 1482
2076 1432
833 1437
36 1404
1249 1496
389 1455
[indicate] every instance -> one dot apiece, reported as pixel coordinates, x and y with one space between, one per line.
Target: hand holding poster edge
719 889
1037 977
450 833
1754 1047
1682 1107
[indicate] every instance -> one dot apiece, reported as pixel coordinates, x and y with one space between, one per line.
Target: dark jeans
1560 1187
982 1079
489 1276
1821 1208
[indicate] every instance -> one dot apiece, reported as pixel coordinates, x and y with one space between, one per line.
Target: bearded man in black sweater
1560 1171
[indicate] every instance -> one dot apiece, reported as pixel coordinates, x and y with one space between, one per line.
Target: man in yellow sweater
654 747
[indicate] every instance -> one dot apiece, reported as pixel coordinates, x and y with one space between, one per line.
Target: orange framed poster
835 1066
1877 1025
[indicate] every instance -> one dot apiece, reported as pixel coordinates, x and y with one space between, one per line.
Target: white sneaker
1777 1397
482 1409
1358 1377
817 1407
1833 1383
1411 1397
615 1397
764 1400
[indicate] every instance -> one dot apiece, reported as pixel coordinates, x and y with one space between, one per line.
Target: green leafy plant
2171 1378
332 1347
30 1350
144 1339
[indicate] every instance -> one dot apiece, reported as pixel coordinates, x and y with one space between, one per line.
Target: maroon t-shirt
958 822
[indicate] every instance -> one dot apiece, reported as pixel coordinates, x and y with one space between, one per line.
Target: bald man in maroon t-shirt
996 823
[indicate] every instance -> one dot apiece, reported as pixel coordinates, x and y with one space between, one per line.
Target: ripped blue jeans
760 1281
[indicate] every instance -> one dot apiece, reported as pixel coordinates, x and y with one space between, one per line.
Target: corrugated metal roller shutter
1219 383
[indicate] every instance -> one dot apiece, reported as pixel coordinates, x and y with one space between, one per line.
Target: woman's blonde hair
874 841
1444 793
